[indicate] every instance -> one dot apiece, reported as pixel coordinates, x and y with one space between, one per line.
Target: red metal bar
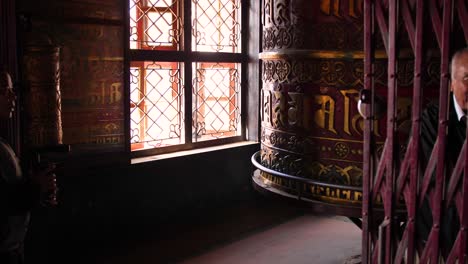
367 155
379 175
463 17
455 177
436 23
407 18
458 252
416 114
380 16
462 258
463 233
403 176
387 192
400 253
428 173
431 252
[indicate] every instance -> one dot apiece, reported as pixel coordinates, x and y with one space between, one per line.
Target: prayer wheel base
314 206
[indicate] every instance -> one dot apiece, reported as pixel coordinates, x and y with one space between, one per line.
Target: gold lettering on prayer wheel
41 74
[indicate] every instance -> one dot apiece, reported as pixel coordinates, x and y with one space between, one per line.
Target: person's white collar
458 109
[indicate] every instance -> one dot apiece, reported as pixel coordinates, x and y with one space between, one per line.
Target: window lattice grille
216 25
156 102
155 24
216 109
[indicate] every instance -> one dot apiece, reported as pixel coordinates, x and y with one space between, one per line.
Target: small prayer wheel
41 75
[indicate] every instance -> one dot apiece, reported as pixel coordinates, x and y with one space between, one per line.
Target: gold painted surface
334 54
333 8
105 93
97 58
322 54
296 110
342 160
337 139
326 114
326 194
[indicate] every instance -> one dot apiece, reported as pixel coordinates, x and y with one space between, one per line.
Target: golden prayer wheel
312 72
41 74
312 75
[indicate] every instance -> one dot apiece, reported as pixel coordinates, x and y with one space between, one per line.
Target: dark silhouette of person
19 191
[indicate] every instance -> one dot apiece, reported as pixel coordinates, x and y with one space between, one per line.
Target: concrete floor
254 232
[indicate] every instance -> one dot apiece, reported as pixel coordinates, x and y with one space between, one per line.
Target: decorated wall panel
89 34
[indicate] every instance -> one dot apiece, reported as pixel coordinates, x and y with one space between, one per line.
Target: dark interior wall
101 194
102 205
160 190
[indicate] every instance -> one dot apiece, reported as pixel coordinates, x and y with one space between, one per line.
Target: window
185 74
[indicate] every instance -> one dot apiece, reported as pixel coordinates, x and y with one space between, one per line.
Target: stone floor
306 239
255 232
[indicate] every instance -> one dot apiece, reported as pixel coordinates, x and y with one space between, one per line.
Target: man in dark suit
455 139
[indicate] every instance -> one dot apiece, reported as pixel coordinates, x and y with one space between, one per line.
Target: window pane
160 3
157 29
216 101
216 25
155 24
156 103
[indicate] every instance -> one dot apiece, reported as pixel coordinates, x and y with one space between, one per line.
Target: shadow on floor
257 231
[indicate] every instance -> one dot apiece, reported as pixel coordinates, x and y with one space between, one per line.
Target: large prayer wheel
312 73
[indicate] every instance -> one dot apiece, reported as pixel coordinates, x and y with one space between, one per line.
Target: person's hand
46 179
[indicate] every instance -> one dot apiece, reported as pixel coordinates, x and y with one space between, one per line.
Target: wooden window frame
143 44
187 57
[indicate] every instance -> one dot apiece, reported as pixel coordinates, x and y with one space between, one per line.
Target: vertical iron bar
416 116
380 17
433 240
244 68
443 113
464 213
406 12
188 70
463 17
437 24
391 126
126 76
367 155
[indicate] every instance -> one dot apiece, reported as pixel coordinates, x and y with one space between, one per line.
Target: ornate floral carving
282 13
332 173
341 149
283 69
268 70
269 38
286 163
332 72
284 38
